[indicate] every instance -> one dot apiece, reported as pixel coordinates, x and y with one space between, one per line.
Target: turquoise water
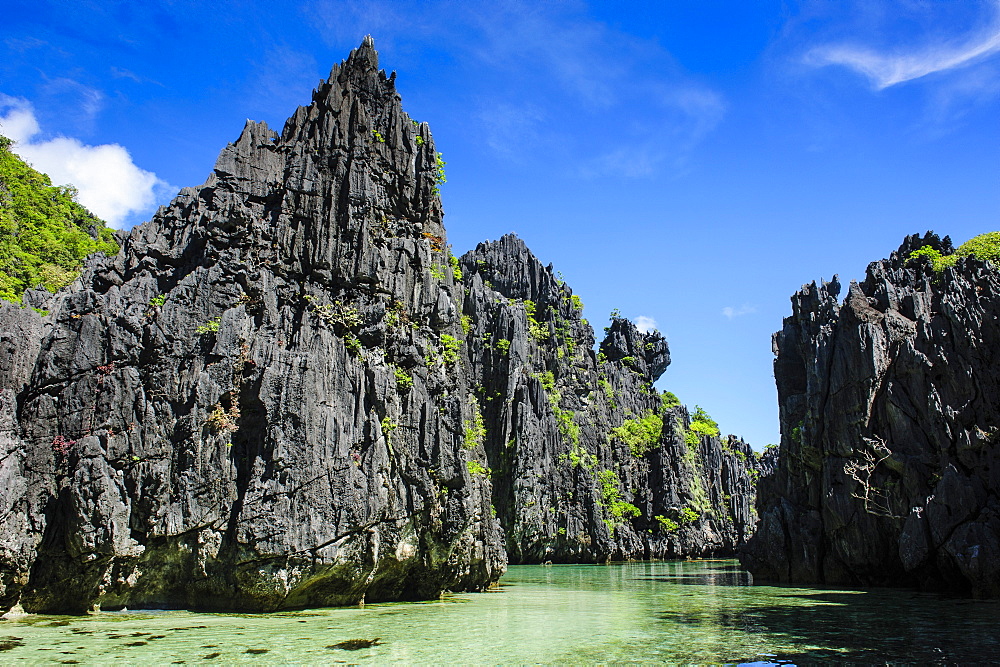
700 611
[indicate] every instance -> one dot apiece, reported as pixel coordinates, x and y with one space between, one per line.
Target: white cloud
645 324
109 183
730 312
889 69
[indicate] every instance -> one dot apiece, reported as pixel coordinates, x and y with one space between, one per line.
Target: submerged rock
284 392
890 414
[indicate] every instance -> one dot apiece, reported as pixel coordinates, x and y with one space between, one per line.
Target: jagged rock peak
888 403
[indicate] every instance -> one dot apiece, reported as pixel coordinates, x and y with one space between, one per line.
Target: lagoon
691 611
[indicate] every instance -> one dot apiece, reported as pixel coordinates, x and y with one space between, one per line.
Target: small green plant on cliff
212 326
577 302
353 344
985 247
439 175
668 524
503 346
378 136
564 418
388 426
466 324
537 330
669 401
404 381
475 429
455 271
476 468
688 515
449 348
610 497
436 272
703 424
642 434
158 301
334 314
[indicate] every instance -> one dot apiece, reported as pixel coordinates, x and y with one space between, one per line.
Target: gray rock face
589 461
284 392
889 419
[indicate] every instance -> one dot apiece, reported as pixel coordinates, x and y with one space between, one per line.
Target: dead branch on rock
876 499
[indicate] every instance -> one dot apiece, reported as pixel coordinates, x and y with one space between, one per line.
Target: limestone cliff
889 419
285 392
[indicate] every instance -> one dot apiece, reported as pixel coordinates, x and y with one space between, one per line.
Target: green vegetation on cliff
44 233
985 246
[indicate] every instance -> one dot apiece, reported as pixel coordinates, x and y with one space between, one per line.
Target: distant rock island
285 391
889 467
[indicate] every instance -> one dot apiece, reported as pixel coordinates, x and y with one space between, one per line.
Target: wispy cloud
645 324
511 127
109 183
885 69
732 312
615 104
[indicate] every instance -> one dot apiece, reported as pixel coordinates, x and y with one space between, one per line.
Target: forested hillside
44 233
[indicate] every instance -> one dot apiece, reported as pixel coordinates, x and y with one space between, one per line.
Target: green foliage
503 345
404 380
449 348
579 456
667 524
211 326
334 314
702 424
984 247
564 418
352 343
538 331
466 324
378 136
439 175
43 231
388 426
475 430
611 499
577 302
158 300
477 468
455 271
547 379
419 140
938 261
688 515
668 401
641 435
437 272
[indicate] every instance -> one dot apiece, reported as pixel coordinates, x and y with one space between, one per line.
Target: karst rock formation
888 466
285 392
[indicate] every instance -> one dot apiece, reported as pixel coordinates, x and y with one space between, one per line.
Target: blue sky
689 162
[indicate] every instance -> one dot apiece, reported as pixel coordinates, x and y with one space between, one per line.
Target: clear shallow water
630 612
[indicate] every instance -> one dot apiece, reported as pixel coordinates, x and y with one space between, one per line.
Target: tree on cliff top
44 233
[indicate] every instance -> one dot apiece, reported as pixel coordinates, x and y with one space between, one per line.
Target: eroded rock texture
890 407
285 392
